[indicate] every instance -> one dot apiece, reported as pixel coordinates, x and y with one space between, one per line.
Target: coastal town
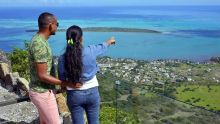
159 71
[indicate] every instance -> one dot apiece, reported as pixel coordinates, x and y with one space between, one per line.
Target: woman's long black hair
73 54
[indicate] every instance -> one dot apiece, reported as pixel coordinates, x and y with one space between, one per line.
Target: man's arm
44 77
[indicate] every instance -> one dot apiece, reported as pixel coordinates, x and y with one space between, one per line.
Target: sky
105 2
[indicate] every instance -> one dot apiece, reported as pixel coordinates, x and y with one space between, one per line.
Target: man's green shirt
39 52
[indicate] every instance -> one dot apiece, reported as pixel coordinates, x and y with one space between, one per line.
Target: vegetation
19 62
108 116
200 95
152 109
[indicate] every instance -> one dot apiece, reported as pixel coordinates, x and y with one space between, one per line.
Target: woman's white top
87 85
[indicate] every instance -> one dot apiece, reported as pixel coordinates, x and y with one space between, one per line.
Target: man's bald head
45 19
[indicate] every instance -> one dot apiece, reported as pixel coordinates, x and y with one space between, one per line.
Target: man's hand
72 85
75 85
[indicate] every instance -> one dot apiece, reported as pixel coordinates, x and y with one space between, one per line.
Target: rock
15 74
11 78
68 120
62 106
19 113
1 82
23 86
4 70
3 58
5 95
12 112
9 88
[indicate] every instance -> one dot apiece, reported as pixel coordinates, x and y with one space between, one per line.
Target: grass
200 95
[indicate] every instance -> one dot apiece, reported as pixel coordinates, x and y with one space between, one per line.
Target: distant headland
109 29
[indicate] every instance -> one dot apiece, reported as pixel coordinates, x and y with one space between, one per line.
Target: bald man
40 60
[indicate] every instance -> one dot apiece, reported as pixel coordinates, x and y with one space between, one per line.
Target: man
40 60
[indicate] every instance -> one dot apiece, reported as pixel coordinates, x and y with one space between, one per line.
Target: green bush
19 62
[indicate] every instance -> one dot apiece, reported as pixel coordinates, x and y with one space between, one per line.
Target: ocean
188 32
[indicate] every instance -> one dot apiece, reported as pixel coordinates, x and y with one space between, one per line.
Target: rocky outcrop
11 80
12 88
14 83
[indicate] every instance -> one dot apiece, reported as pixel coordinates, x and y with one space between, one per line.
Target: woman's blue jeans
84 100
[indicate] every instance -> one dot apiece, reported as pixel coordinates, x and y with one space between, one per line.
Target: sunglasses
57 24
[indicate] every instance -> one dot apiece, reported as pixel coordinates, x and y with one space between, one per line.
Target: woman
78 64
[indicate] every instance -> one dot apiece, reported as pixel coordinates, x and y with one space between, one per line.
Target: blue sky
105 2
